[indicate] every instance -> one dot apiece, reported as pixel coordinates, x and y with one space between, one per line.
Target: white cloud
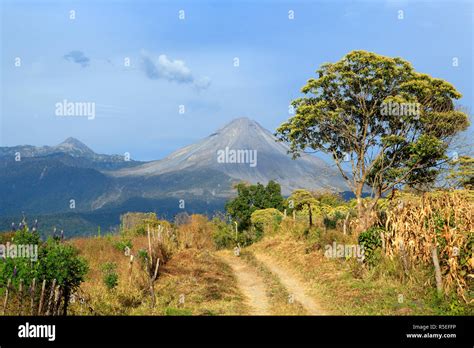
162 67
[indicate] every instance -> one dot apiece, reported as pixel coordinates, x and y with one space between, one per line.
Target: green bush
25 236
370 240
122 244
262 219
55 260
61 262
110 278
225 236
331 221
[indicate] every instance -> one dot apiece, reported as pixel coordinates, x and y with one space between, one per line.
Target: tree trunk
346 223
310 216
361 214
360 205
152 293
364 212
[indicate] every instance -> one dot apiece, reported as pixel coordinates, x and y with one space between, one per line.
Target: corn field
435 228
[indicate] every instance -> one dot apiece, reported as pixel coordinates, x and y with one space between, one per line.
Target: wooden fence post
20 291
40 307
57 292
439 279
130 269
51 294
32 294
6 296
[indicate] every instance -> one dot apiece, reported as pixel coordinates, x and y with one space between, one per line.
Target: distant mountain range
84 189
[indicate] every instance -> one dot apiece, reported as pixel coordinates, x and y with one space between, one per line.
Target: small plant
110 278
226 236
171 311
123 244
370 240
25 236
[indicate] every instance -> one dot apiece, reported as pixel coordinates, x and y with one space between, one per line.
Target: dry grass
191 282
339 289
197 233
443 220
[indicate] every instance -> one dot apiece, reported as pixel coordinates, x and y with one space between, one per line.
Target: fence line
47 300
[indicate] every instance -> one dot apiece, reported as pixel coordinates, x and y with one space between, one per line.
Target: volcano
245 151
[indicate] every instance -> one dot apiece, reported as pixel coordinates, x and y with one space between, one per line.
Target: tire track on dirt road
292 284
249 282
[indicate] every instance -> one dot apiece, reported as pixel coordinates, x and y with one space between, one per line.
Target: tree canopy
253 197
390 124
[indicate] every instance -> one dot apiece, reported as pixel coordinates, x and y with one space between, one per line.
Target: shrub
253 197
299 228
224 235
25 236
197 233
61 262
370 240
136 224
110 278
122 244
266 219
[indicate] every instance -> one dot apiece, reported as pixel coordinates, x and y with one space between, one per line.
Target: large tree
461 174
300 199
251 198
391 124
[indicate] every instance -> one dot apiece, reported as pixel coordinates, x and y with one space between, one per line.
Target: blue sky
190 62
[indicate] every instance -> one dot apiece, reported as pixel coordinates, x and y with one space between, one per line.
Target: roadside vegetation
403 245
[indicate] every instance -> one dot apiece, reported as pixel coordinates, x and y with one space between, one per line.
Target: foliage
252 197
326 197
122 244
61 262
371 240
143 256
462 172
391 123
330 221
25 236
224 235
110 276
300 199
266 218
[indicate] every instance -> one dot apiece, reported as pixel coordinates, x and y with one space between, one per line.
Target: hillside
46 178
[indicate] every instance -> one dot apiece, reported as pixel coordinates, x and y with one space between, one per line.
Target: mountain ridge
243 134
202 175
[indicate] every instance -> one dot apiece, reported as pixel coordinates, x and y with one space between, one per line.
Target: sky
164 74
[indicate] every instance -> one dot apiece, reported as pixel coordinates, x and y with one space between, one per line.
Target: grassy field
193 282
